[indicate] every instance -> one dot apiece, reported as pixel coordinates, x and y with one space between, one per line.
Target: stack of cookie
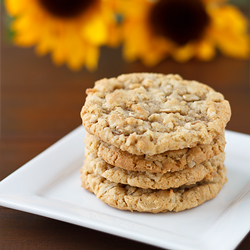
155 143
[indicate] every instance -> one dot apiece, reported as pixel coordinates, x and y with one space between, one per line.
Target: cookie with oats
169 161
205 170
146 113
126 197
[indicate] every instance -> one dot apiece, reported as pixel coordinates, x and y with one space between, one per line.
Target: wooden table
40 103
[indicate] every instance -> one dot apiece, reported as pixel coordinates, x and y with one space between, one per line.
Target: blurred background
52 52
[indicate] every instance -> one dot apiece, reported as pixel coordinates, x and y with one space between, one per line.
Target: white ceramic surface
49 185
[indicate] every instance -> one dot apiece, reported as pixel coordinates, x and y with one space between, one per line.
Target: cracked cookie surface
169 161
205 170
126 197
146 113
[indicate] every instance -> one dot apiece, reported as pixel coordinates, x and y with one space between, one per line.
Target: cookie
146 113
126 197
168 161
205 170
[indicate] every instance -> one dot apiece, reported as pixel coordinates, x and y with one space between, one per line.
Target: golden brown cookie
146 113
126 197
205 170
168 161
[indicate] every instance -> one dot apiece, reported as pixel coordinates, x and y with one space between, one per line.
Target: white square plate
49 185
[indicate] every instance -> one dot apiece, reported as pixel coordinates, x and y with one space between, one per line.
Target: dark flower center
179 20
66 8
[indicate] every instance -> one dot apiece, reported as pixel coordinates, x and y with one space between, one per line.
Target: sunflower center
66 8
179 20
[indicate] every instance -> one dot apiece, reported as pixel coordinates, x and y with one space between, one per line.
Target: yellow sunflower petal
129 51
134 8
22 24
233 45
157 50
109 10
228 18
184 53
134 47
150 60
76 50
43 47
45 44
95 31
229 31
59 54
51 37
205 50
24 36
92 56
15 7
114 37
25 41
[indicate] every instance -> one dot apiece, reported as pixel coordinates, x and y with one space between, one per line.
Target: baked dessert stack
155 143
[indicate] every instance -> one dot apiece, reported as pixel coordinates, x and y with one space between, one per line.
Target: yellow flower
72 30
153 30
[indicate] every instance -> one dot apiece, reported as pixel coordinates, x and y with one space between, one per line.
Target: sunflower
153 30
72 31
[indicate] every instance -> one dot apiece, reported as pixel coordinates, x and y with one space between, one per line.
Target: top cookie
146 113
